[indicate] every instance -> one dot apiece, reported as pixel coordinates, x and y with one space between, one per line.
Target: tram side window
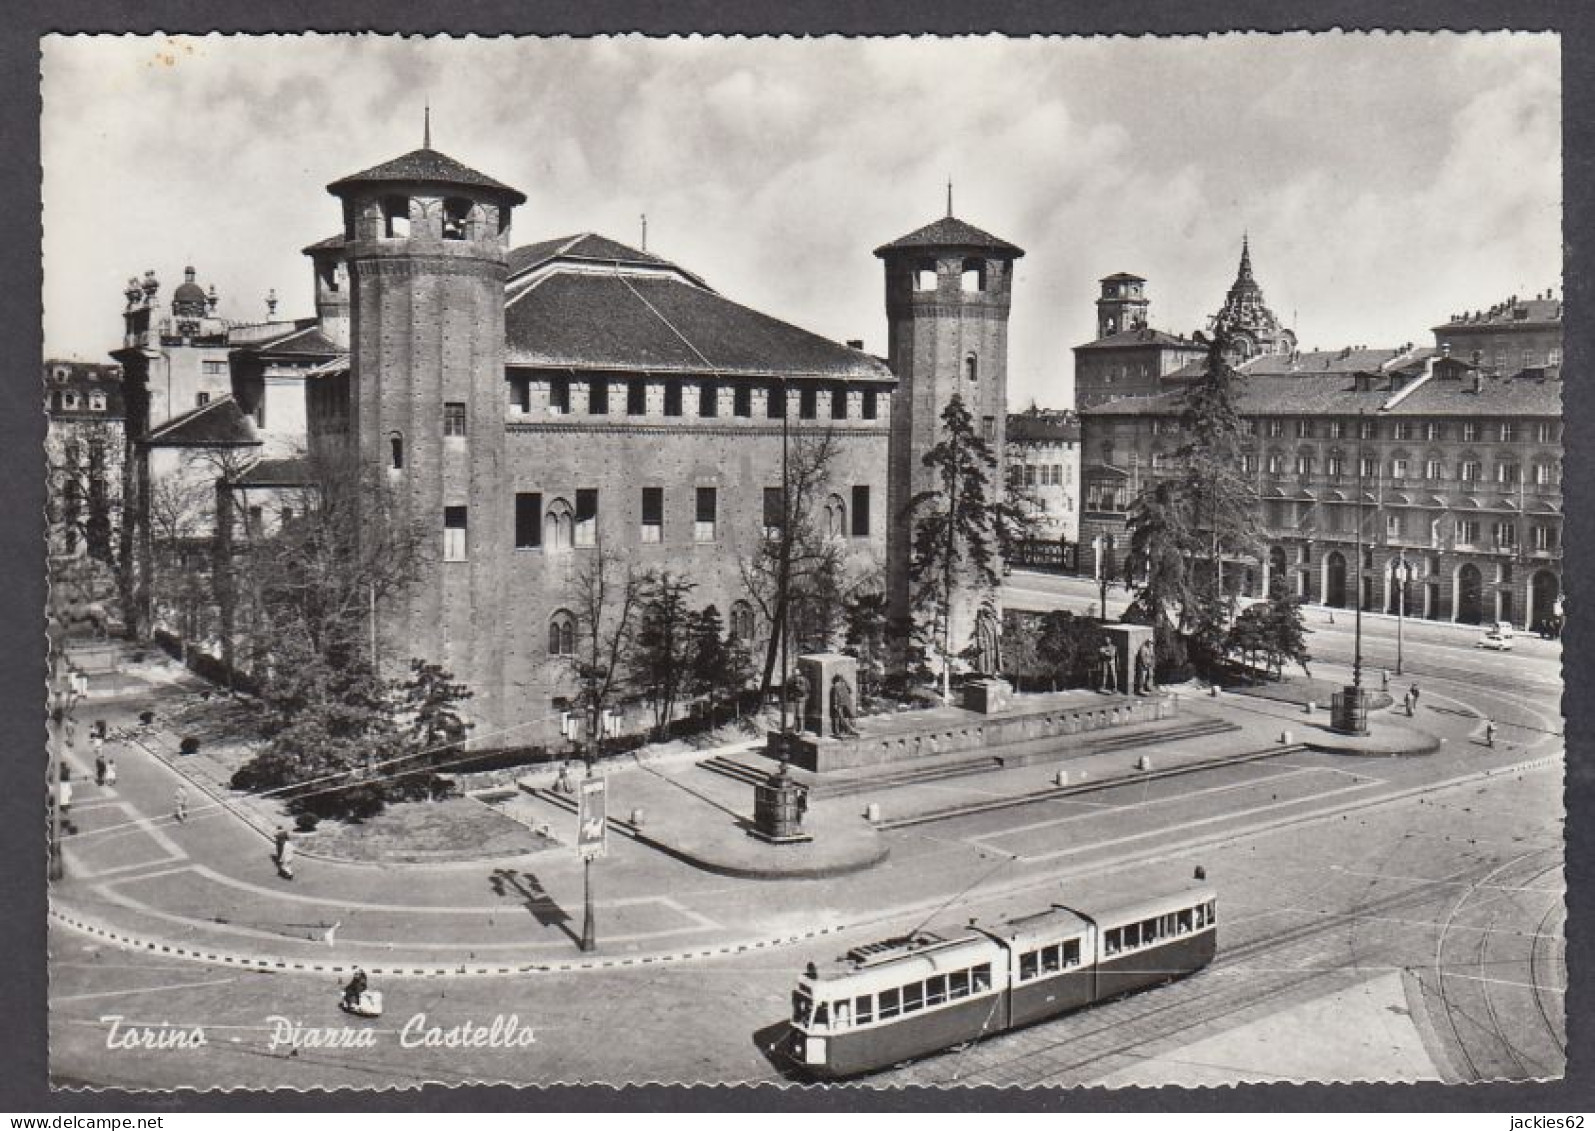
1071 953
1052 958
1132 936
1212 911
864 1009
936 990
958 984
842 1013
1182 922
822 1016
1111 941
914 997
889 1004
1201 916
982 977
1027 966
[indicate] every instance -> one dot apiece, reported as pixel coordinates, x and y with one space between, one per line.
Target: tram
887 1002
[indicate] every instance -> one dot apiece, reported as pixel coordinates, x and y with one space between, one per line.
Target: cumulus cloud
1386 180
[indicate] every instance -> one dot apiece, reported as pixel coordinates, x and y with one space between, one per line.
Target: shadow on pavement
510 882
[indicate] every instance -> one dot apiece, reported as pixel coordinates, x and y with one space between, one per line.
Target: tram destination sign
593 820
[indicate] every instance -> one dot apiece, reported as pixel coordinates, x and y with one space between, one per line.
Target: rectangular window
1470 471
454 418
1542 474
1468 532
838 402
1470 432
1398 469
1248 463
958 984
1506 473
1368 430
636 398
653 514
774 508
1304 429
1553 356
200 401
988 428
705 513
672 398
559 395
775 402
1368 467
454 534
869 407
1337 429
521 394
708 399
528 520
936 989
889 1004
586 516
1403 430
980 978
1544 538
1545 432
1071 953
861 515
1432 431
1508 431
913 997
1431 469
1111 942
864 1009
808 403
214 368
1505 535
1276 428
1392 526
1336 466
742 400
598 397
1027 966
1304 466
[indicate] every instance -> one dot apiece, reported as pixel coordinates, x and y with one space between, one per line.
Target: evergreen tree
959 529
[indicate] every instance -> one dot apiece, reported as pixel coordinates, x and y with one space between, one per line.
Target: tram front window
801 1007
822 1016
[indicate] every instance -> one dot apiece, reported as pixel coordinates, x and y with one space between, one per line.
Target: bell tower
425 240
949 286
1123 305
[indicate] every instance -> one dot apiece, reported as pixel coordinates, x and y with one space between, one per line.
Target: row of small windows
1543 474
1149 932
897 1001
68 400
559 526
1471 431
706 394
742 625
1040 475
1341 518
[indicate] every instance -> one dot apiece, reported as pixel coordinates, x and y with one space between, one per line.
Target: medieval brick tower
425 240
948 291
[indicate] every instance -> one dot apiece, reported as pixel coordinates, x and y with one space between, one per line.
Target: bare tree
606 597
797 565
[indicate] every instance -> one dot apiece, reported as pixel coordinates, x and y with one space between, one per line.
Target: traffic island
1383 740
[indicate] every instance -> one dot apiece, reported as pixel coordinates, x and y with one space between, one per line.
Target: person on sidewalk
180 803
1414 696
279 841
100 764
1489 733
1406 701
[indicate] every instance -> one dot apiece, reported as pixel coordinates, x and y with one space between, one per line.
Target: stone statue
1108 667
988 642
797 691
842 709
1146 668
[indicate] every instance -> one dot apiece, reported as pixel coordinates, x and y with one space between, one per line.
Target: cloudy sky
1386 180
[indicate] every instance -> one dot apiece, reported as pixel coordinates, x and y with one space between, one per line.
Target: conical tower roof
426 166
950 231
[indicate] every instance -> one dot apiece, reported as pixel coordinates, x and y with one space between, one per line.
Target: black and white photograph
954 561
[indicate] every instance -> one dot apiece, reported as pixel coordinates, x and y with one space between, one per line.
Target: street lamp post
784 581
1403 576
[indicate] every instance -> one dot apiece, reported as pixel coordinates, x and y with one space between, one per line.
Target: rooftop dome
189 297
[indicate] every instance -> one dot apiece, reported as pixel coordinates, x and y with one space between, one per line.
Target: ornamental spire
426 126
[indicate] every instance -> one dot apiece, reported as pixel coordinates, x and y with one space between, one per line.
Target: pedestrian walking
180 803
279 840
1406 701
100 767
1489 733
1414 695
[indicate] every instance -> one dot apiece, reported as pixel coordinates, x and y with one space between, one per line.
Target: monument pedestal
778 807
987 696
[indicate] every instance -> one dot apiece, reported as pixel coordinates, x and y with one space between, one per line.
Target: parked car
1503 628
1495 641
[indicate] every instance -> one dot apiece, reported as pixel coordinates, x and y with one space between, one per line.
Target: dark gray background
23 1070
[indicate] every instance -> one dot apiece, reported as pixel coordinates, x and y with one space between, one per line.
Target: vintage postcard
951 561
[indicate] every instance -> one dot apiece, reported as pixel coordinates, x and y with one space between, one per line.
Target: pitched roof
291 472
1307 363
1040 426
1141 336
614 321
302 341
1121 277
1338 394
217 424
585 245
950 231
1513 312
324 245
425 166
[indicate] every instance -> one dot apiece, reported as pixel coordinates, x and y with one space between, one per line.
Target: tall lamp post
1403 576
1350 715
783 582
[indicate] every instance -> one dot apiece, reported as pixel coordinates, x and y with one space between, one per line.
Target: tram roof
1113 912
1057 922
920 957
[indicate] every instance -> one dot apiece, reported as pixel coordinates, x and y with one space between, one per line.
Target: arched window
972 367
559 524
972 280
396 217
742 623
835 517
562 634
925 275
456 218
396 451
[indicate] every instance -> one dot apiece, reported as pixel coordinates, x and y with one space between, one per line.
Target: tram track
1544 941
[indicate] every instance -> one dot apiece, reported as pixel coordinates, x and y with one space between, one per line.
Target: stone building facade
1044 464
1442 473
84 451
1128 357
